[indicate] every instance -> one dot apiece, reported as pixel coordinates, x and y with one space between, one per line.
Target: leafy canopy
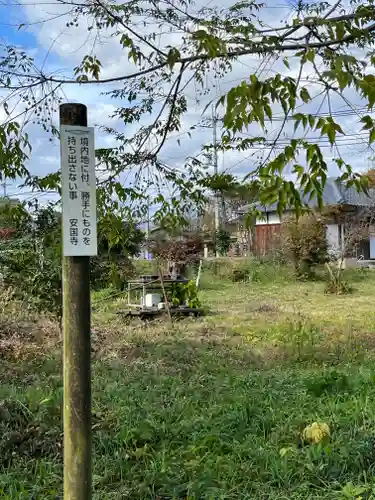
331 42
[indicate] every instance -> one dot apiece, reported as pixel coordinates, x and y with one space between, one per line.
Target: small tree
304 242
357 228
178 254
118 241
223 241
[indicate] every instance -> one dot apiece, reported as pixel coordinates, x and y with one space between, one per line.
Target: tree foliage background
326 49
30 260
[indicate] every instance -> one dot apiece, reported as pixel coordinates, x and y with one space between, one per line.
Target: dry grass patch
23 333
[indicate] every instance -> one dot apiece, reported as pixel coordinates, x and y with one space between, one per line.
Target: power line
286 140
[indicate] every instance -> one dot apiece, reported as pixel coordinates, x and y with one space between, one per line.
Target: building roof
5 200
334 193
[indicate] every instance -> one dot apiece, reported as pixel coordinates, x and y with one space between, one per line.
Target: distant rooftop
6 200
334 193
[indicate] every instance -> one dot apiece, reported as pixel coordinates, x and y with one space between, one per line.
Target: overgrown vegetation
228 399
30 258
177 254
304 242
222 242
185 294
331 42
250 269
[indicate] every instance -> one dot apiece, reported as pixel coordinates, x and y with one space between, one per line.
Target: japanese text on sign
78 190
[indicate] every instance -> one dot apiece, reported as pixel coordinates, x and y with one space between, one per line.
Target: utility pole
215 162
79 242
147 241
148 217
4 186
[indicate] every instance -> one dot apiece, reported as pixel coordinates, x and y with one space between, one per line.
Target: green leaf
286 63
298 117
320 124
310 55
284 105
259 111
340 30
268 111
330 131
172 57
343 79
367 86
298 169
305 96
368 122
372 136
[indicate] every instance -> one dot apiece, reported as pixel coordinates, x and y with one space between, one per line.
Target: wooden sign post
79 242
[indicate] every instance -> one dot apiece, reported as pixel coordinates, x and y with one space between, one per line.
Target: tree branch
314 21
134 33
178 82
332 9
256 49
274 142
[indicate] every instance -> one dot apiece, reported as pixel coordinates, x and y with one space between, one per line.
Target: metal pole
77 357
217 196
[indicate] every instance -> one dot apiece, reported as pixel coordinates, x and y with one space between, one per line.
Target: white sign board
78 190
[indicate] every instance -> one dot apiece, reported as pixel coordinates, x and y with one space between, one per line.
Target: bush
223 241
106 272
240 274
247 272
255 270
304 242
179 254
34 273
31 261
336 284
184 294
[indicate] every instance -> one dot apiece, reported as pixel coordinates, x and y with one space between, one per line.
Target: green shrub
181 294
31 262
108 272
240 274
258 271
33 272
304 242
223 241
338 287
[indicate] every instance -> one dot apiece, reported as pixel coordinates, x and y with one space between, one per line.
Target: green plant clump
305 244
223 241
185 294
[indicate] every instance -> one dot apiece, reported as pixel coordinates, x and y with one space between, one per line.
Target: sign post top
73 114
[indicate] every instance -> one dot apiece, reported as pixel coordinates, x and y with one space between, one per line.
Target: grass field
211 408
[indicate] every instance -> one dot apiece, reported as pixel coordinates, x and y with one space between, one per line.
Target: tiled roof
335 193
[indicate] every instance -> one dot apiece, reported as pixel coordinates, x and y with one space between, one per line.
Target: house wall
333 236
272 218
266 236
268 229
